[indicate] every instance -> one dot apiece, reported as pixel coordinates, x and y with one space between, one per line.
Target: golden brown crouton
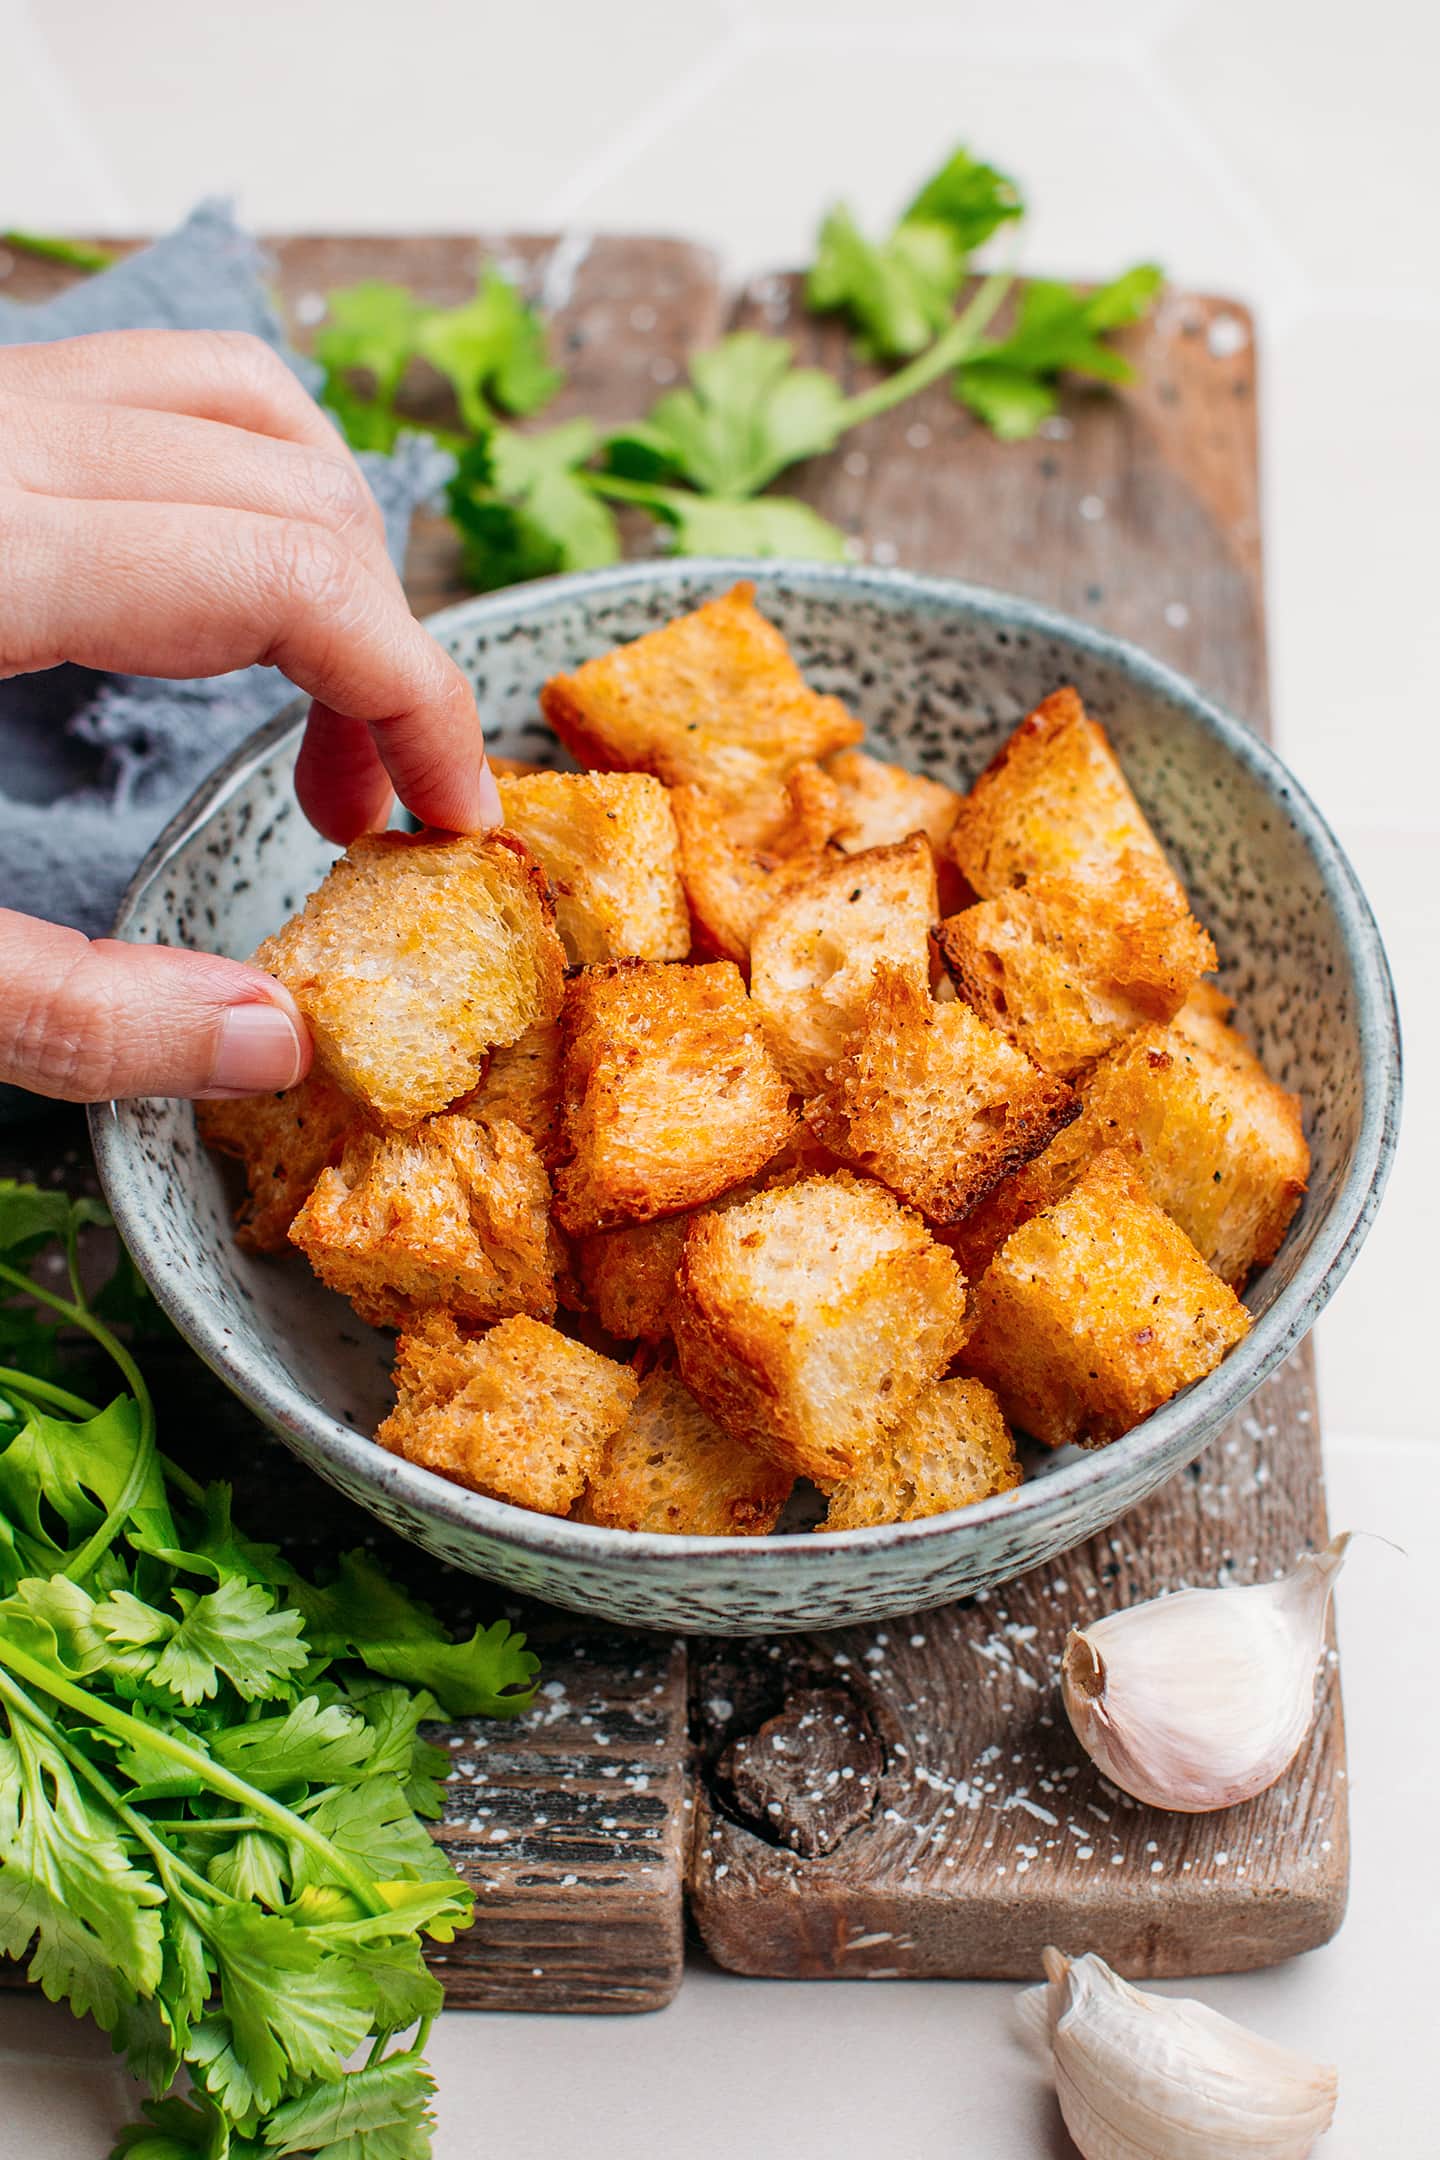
933 1102
806 1318
671 1469
731 883
951 1448
628 1275
713 698
1054 800
607 843
1067 970
452 1213
521 1413
284 1142
522 1083
669 1092
885 803
416 955
815 952
1097 1311
1218 1142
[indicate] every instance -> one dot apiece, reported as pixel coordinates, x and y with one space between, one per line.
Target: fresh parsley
212 1771
1009 383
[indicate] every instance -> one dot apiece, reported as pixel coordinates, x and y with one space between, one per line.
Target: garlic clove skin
1201 1700
1150 2077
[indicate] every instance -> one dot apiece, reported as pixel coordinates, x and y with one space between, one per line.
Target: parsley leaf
379 2113
372 328
308 1745
376 1824
364 1613
746 415
523 508
491 347
768 525
234 1630
288 2009
900 291
1009 383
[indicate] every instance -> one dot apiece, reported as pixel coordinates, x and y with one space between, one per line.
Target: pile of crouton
750 1110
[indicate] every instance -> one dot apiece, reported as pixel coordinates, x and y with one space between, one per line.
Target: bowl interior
940 674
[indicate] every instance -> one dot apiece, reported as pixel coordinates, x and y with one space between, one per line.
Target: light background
1284 152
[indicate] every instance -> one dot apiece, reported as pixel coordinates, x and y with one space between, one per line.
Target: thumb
87 1021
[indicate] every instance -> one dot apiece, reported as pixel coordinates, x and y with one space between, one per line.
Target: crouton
885 803
522 1413
1219 1143
671 1469
713 698
628 1275
607 844
669 1094
815 952
452 1213
806 1319
1067 970
284 1141
951 1448
416 955
731 884
932 1102
1055 800
522 1083
1097 1311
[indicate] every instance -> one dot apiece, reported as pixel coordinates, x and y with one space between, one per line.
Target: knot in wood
809 1775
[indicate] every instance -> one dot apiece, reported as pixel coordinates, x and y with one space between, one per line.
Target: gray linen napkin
92 766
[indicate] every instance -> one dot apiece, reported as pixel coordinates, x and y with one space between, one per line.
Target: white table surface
1284 152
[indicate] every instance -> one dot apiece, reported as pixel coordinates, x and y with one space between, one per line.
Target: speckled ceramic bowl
940 672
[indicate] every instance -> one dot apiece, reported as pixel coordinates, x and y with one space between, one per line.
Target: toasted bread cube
522 1413
951 1448
522 1083
814 954
1054 800
731 884
669 1092
453 1213
1097 1311
712 698
628 1275
885 803
806 1318
284 1141
670 1469
1219 1144
416 956
934 1103
607 843
1067 971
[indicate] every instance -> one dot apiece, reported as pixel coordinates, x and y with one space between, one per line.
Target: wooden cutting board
972 1830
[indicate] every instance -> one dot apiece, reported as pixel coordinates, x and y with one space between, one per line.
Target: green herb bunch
703 463
212 1772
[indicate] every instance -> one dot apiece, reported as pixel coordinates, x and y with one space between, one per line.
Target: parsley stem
79 1315
76 254
171 1868
220 1780
951 347
45 1391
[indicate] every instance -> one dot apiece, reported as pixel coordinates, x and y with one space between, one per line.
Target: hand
172 503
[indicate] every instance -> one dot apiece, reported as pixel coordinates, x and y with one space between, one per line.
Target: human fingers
87 1021
170 589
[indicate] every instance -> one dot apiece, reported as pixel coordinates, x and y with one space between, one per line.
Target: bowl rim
1206 1405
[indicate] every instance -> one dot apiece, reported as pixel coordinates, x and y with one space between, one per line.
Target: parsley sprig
212 1771
703 463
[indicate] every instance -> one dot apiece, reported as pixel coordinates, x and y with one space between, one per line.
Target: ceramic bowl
940 672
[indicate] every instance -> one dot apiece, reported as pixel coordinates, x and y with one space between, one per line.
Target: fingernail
490 810
259 1051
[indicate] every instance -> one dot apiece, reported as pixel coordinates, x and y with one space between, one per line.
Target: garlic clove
1149 2077
1201 1700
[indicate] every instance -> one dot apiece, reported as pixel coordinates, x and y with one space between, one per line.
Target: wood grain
986 1833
